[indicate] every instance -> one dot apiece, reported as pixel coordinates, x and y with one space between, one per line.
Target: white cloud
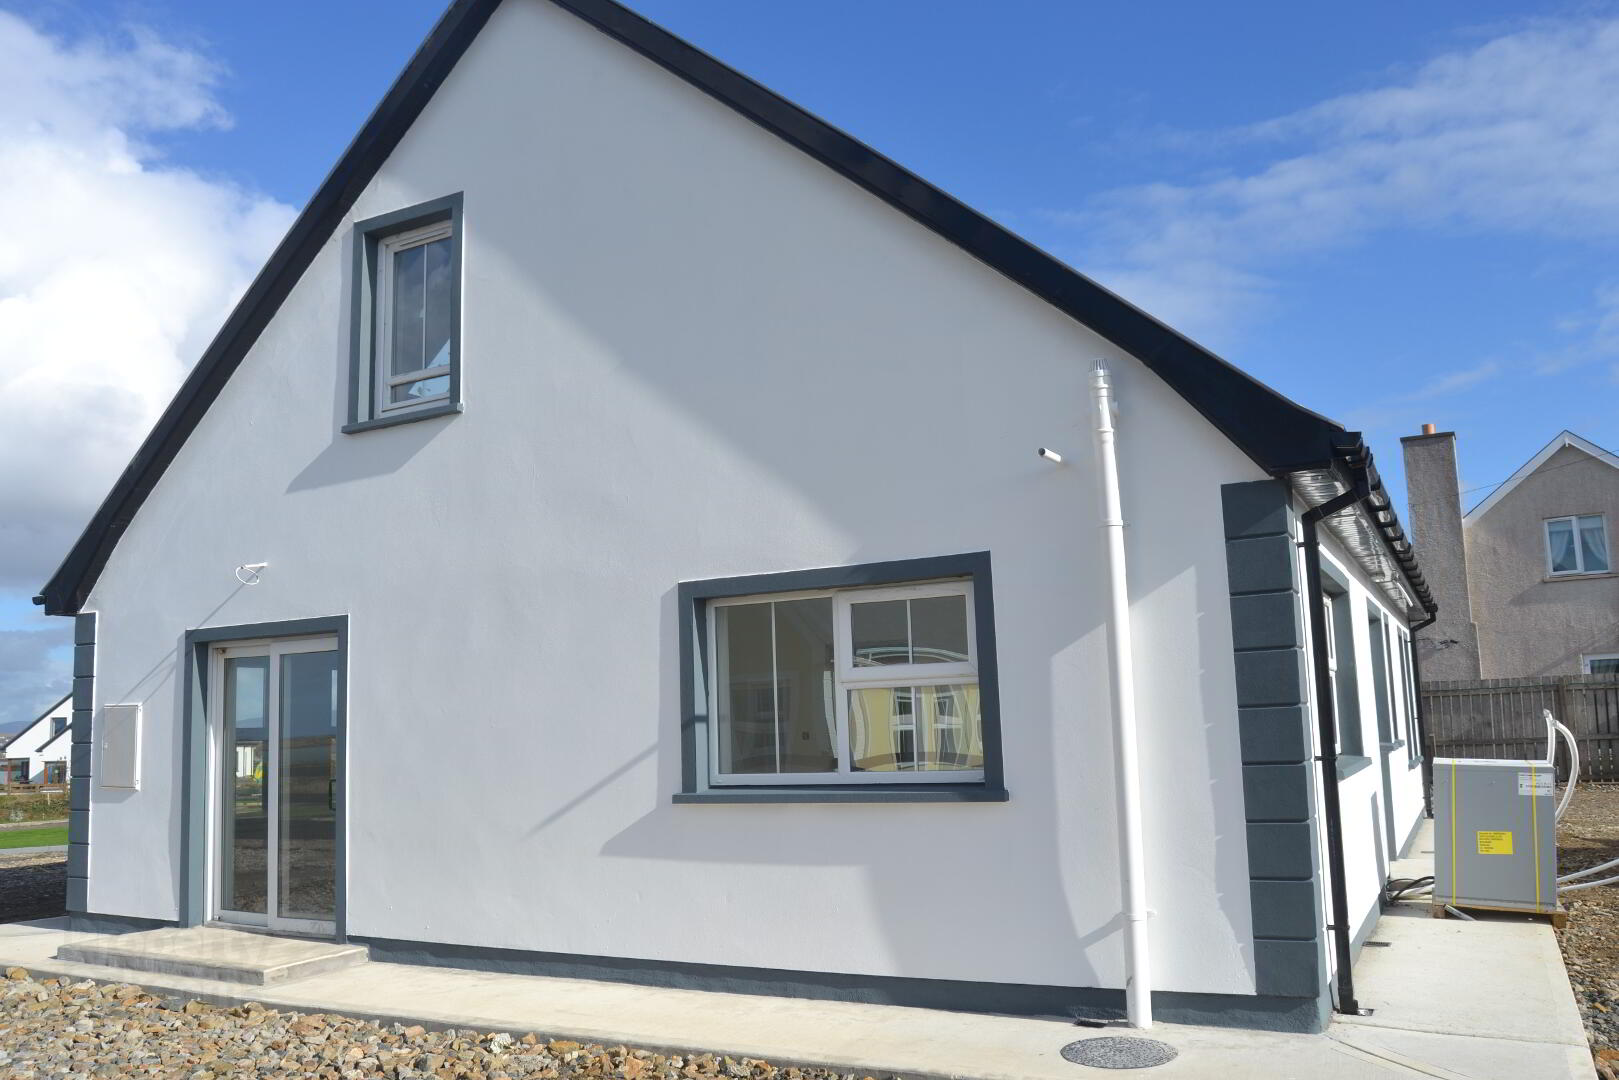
1401 412
116 268
1517 134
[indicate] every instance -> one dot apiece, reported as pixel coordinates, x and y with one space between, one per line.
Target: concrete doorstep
1454 1000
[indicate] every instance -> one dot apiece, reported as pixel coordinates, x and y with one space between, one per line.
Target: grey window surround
194 829
693 598
1350 764
1351 738
368 234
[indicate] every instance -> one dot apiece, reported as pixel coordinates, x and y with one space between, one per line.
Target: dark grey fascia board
692 598
1276 433
194 773
363 268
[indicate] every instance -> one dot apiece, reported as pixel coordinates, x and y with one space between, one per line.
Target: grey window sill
1390 747
1581 577
846 793
1350 764
449 408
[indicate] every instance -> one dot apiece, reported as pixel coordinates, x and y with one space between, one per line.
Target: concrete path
60 849
1486 1000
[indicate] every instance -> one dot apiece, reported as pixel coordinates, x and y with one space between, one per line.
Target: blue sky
1392 212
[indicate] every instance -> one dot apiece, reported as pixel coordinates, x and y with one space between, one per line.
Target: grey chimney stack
1449 648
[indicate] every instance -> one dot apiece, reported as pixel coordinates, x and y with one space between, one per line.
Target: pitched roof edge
68 588
1278 434
1528 468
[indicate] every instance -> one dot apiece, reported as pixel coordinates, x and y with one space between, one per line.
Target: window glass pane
419 390
1593 545
1560 541
244 756
939 630
747 699
409 296
1607 666
805 706
880 633
911 729
436 333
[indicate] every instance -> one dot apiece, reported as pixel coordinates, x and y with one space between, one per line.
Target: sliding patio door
276 713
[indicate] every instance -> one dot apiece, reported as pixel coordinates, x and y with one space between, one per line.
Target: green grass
48 837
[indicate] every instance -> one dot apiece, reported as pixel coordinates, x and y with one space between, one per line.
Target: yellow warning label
1495 843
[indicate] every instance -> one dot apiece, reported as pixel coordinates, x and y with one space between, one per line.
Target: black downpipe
1422 718
1326 712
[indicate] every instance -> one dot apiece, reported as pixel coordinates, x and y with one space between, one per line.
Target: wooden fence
1501 718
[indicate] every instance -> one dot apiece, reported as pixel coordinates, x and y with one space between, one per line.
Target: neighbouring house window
58 725
844 684
851 677
405 339
15 770
1577 545
56 772
1602 665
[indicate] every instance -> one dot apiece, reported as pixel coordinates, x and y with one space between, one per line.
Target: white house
696 442
38 754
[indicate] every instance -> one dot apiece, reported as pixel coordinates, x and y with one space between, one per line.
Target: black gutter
1326 713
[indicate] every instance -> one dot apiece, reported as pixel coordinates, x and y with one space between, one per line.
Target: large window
874 682
1577 545
14 771
1602 665
405 342
848 685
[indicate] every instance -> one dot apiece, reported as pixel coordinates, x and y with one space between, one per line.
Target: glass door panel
306 856
244 761
276 854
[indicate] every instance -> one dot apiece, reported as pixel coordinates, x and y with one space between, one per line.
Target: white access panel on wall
120 764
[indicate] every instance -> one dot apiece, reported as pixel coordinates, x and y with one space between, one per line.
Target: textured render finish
1272 720
79 761
1433 492
657 369
1529 623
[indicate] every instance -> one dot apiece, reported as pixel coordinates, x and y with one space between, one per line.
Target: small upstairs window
1577 545
1605 664
405 347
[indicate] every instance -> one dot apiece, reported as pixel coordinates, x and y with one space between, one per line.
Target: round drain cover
1118 1052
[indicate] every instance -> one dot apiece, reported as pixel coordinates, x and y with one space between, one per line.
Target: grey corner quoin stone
1268 661
79 761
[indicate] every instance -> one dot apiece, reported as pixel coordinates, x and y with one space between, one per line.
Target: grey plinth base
206 952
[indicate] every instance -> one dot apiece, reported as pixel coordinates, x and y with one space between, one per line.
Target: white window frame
1585 661
846 677
1579 548
383 381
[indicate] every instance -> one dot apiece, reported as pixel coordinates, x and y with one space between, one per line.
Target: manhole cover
1118 1052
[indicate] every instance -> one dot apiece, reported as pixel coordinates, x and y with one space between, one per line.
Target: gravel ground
57 1028
1588 835
32 886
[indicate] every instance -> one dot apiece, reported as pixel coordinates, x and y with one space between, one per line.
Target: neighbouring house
695 442
1525 579
38 754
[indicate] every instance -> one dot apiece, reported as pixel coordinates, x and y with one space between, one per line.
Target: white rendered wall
692 352
1363 795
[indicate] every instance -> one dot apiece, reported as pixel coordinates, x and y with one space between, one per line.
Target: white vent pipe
1138 958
